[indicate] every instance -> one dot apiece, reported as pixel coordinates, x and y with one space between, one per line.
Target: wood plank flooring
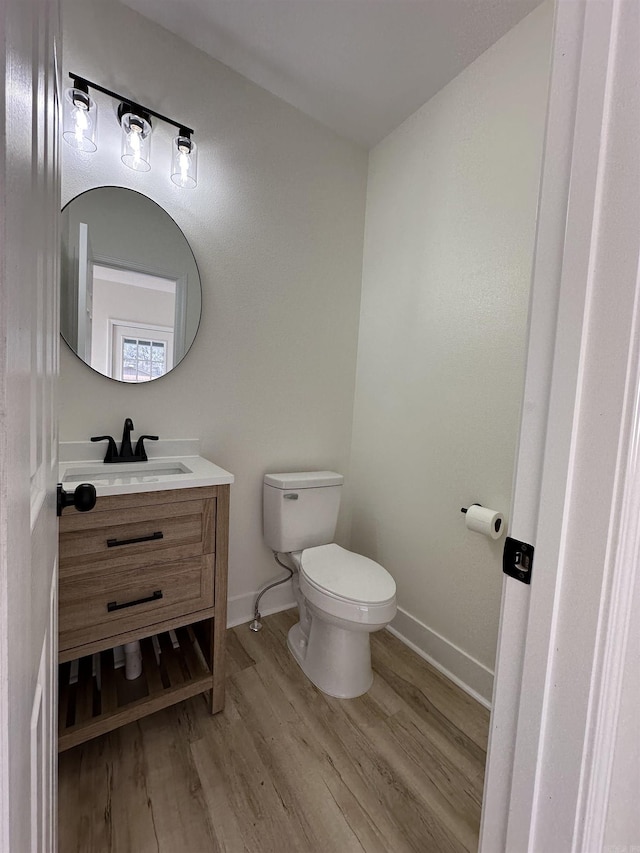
286 769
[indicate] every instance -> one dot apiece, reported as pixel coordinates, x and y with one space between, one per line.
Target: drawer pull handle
113 605
113 543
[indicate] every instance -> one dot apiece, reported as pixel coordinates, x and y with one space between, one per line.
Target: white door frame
563 640
85 294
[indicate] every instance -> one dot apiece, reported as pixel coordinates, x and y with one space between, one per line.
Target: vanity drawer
135 536
90 604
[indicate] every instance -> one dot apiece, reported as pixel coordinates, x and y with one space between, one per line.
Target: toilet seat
347 576
347 586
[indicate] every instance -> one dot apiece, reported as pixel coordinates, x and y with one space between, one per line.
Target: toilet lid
347 575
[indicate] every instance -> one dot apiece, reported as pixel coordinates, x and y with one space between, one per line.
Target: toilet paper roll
483 520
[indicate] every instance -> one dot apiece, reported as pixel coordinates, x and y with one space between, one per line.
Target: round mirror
130 295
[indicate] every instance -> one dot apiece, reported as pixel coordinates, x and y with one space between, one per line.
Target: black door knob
83 498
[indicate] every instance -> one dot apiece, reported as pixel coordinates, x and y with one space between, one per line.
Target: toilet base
335 659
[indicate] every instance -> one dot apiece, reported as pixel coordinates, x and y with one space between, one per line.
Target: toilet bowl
342 596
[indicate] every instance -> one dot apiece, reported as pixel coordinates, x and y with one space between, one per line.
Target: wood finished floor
286 769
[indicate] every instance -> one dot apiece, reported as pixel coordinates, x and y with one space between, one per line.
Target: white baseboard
240 607
469 674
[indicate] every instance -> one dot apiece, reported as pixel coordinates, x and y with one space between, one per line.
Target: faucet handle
112 450
140 451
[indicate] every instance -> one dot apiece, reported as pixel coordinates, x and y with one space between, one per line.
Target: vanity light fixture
79 131
80 116
184 161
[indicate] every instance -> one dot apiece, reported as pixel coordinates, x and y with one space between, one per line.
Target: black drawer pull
113 605
113 543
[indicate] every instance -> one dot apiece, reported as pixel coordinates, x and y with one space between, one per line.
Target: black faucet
126 451
127 454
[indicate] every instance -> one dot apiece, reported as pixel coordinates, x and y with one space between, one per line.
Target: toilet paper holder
491 526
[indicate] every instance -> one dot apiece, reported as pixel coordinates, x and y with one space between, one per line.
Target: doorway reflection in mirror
133 323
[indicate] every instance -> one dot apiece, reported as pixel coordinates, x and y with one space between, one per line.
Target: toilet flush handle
291 496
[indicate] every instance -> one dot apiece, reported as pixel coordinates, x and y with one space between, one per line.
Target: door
29 212
563 759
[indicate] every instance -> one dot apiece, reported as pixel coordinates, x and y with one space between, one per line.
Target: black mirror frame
159 206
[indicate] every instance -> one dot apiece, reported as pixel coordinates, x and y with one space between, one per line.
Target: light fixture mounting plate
127 107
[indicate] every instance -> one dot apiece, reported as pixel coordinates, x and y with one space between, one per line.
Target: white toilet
342 596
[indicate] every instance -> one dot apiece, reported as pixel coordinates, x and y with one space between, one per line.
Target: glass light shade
184 162
80 117
136 142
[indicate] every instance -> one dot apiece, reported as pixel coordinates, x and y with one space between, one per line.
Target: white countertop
78 464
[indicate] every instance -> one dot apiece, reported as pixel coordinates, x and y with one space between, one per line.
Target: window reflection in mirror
130 296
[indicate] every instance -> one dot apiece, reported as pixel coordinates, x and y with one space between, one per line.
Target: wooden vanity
137 566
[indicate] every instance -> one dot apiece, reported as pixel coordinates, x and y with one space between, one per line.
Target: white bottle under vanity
150 558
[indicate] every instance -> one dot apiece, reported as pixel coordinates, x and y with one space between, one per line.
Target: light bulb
134 142
184 162
82 124
136 138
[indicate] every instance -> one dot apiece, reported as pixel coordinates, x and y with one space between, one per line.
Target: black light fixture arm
84 85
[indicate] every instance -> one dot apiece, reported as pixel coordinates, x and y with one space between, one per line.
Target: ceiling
359 66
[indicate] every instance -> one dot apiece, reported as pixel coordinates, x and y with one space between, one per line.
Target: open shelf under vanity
102 699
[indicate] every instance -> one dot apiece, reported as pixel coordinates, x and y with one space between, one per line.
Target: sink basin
125 472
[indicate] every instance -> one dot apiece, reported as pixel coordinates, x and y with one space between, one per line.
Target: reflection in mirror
130 295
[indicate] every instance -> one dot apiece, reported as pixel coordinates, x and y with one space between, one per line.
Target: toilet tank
300 510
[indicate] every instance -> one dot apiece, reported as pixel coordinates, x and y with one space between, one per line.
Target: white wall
450 221
276 224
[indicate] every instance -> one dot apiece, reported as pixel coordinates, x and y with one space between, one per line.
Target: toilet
342 596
